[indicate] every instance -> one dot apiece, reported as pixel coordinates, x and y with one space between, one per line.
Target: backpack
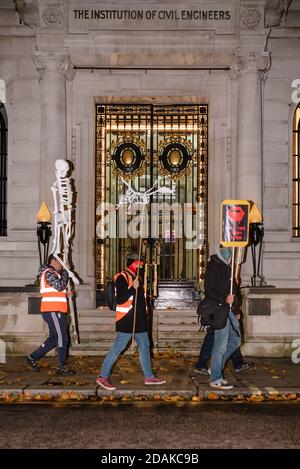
212 313
111 297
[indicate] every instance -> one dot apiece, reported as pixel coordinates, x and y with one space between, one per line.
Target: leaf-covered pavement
271 380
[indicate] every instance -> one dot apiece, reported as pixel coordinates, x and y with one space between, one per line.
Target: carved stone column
249 69
53 68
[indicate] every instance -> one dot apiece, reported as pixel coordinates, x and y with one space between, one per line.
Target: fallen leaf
171 398
212 396
197 399
70 396
290 397
128 370
256 398
108 398
239 397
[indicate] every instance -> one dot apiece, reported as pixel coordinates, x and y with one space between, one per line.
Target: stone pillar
53 68
249 69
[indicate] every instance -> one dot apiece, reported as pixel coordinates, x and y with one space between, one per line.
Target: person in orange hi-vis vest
54 309
127 285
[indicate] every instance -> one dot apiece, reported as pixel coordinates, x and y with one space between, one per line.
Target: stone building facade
59 59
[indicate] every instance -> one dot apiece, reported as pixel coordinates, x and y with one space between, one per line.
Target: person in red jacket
54 308
127 286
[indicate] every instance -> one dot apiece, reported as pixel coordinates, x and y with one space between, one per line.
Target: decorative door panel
142 146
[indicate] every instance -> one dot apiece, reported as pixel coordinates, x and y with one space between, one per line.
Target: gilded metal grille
183 126
3 170
296 173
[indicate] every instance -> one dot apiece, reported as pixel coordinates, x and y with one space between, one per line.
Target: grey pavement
272 379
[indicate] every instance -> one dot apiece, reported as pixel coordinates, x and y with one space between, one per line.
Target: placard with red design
235 223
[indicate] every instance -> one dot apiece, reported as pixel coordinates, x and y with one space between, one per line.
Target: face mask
134 266
226 253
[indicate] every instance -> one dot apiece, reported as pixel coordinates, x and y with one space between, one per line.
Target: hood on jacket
219 256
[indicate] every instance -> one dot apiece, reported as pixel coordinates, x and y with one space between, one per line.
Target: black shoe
244 367
63 370
202 371
33 363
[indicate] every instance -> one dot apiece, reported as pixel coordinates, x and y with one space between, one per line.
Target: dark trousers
206 349
58 337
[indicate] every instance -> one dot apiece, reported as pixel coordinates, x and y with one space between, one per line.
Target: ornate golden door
143 145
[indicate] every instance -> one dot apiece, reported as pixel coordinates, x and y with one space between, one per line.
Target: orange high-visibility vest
124 308
52 300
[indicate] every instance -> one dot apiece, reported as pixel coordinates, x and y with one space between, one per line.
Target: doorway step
176 294
174 330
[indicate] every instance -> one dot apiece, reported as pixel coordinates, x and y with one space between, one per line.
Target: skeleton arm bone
148 192
54 190
71 275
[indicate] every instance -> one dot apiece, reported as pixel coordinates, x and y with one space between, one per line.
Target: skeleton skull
62 167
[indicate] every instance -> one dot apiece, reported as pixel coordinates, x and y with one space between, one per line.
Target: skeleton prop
133 197
63 207
143 198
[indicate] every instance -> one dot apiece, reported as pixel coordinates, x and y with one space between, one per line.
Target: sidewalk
273 379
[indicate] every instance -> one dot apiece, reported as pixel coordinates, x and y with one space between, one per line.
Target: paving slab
271 380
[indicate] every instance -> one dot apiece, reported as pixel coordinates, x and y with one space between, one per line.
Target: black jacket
123 294
217 282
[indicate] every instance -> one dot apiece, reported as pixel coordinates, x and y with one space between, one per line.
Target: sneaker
244 367
220 384
105 383
63 370
33 363
202 371
224 381
156 381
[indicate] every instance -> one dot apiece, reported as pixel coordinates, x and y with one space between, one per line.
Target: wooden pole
232 271
138 274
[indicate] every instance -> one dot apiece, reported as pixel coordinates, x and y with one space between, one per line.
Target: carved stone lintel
60 62
250 62
250 16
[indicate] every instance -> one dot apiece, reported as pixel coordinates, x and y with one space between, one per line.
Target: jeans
58 337
226 342
120 343
206 349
